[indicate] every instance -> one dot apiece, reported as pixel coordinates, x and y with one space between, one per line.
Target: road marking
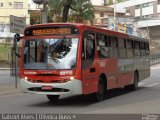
153 84
155 67
141 84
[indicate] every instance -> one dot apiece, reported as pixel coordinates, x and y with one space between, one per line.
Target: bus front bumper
73 87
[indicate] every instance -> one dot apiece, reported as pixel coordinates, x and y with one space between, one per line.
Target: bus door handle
92 70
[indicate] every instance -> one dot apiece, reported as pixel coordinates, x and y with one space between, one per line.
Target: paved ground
7 83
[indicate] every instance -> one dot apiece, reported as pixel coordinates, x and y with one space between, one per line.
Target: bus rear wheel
53 98
134 86
101 92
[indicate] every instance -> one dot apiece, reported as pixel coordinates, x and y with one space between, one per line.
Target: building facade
146 14
104 15
17 8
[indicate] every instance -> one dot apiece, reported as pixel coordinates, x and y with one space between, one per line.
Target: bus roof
93 28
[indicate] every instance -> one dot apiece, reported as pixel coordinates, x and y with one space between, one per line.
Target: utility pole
44 10
105 3
44 13
114 15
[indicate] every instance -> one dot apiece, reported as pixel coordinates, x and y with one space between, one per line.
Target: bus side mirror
17 38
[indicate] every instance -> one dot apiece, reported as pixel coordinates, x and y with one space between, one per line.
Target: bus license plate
46 87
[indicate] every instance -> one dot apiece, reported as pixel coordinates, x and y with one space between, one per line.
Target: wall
8 9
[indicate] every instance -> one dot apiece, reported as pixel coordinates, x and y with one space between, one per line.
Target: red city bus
75 59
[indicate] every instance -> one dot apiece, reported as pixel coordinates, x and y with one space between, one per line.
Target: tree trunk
67 4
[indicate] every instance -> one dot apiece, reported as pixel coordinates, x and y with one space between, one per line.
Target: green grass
5 48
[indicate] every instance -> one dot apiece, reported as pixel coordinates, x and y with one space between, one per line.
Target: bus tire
134 86
53 98
101 92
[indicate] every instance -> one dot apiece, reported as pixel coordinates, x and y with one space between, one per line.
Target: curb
5 68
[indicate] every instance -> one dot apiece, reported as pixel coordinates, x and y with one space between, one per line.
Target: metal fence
155 58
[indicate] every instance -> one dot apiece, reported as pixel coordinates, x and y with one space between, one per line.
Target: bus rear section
112 60
50 62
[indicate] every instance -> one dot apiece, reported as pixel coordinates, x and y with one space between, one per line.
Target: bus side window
122 48
137 49
142 50
147 49
130 50
113 49
88 48
102 45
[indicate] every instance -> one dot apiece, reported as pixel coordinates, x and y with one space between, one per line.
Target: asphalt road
145 100
5 78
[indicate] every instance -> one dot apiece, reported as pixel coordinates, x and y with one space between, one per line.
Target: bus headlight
71 78
26 78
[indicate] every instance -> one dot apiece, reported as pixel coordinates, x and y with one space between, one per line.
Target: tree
55 10
112 1
58 10
67 5
82 11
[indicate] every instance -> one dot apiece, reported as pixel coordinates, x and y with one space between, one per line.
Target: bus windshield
55 53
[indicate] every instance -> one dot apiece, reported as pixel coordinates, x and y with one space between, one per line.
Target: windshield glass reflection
50 53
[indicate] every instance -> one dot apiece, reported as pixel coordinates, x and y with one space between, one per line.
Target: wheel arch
104 78
137 72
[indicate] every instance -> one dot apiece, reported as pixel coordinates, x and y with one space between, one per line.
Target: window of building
1 4
137 18
137 7
9 3
158 1
18 5
147 4
101 14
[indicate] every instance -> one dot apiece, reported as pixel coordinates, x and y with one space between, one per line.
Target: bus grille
39 89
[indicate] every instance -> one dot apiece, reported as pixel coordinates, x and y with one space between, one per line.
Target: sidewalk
5 68
9 89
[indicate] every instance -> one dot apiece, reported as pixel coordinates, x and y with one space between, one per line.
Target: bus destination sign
51 31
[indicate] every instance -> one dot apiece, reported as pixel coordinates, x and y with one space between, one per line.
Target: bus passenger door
89 71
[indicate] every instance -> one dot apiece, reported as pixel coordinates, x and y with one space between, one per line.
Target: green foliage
82 11
110 2
55 10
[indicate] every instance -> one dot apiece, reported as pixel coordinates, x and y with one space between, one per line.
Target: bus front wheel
101 92
53 98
